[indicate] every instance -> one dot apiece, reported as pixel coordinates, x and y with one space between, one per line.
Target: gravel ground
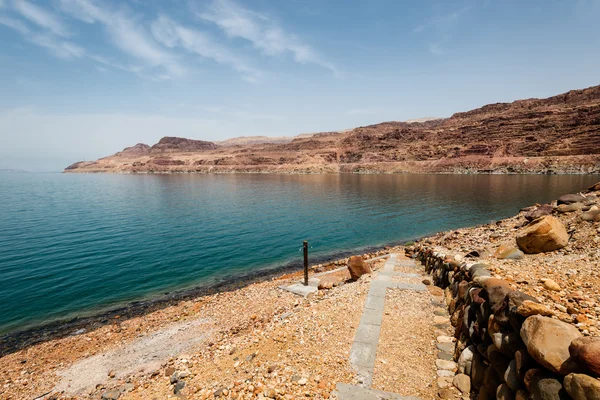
407 352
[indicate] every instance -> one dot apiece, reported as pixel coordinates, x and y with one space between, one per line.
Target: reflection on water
74 243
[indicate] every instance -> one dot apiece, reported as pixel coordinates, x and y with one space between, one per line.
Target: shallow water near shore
76 244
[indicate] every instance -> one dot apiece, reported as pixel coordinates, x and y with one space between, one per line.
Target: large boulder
587 352
582 387
548 342
570 198
357 267
542 235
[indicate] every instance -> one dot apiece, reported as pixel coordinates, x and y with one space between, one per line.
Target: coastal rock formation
532 324
175 144
560 134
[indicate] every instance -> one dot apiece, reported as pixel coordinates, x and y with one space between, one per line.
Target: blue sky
81 79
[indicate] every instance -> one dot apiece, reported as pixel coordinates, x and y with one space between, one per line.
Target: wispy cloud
126 34
442 22
440 27
41 17
261 31
60 48
172 34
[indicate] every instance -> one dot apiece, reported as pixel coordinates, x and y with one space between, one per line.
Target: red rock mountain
557 134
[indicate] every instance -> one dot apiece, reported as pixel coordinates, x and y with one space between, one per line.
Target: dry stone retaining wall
507 343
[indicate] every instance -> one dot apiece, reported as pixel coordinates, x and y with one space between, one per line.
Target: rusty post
305 263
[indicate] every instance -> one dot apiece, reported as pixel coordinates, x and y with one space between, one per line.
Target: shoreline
20 339
258 339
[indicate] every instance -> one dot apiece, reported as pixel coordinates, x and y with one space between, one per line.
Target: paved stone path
364 347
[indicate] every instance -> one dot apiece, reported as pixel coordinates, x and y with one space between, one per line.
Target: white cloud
41 17
14 24
126 34
172 35
261 31
442 22
58 47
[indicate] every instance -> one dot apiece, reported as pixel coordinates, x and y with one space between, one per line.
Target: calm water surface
75 244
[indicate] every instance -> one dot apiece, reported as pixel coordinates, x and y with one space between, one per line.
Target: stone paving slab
405 263
345 391
366 332
300 289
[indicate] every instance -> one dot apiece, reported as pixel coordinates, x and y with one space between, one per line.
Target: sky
82 79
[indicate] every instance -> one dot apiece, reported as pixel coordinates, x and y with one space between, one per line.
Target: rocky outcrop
560 134
138 150
175 144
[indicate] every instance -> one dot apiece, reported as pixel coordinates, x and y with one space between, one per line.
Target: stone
465 360
446 347
478 368
444 382
565 208
491 383
586 350
169 371
529 308
446 394
463 383
511 254
549 284
302 381
594 187
445 364
539 212
523 362
570 198
111 395
521 395
511 377
507 343
442 355
498 360
445 339
426 281
357 267
547 341
443 372
496 291
504 393
547 388
592 215
542 235
582 387
179 387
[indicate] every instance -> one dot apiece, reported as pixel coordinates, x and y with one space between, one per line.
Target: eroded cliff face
560 134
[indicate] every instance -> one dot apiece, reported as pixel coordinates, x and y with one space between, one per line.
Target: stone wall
508 344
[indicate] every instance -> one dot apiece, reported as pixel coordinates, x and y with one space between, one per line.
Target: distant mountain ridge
560 134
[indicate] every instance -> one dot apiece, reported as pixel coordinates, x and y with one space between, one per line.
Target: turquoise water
76 244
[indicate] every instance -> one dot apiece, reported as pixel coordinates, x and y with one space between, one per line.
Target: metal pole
305 263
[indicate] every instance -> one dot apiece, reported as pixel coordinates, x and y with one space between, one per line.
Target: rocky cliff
560 134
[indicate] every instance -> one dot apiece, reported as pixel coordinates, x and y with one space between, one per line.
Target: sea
73 245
